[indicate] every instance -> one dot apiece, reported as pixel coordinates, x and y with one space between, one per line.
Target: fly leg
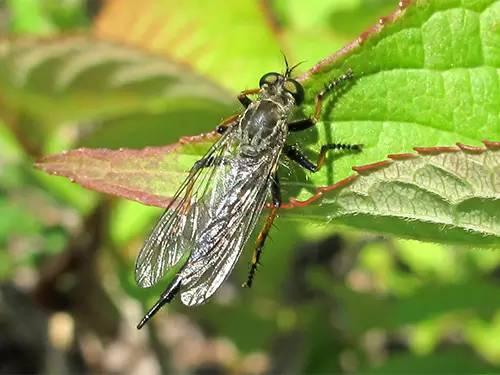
307 123
261 238
230 121
211 161
298 156
294 153
227 123
243 97
165 298
175 285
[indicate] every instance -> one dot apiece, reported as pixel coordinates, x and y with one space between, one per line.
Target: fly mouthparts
165 298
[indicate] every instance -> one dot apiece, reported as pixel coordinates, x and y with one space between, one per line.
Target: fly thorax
260 120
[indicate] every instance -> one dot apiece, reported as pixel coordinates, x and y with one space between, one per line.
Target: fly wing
174 233
222 240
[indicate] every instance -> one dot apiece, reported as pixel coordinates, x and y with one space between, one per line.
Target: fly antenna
288 70
296 65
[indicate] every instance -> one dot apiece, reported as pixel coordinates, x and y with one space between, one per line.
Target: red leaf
149 176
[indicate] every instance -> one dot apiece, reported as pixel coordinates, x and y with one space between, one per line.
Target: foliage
149 72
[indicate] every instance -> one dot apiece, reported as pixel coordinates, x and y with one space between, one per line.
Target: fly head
281 88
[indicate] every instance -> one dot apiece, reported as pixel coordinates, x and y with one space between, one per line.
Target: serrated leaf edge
367 169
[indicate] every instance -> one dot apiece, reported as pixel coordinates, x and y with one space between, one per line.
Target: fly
215 210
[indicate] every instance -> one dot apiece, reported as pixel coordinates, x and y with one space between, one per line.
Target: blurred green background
327 299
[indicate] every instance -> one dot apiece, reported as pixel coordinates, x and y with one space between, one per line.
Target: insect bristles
214 211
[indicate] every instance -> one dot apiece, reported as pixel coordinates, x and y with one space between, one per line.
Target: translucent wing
224 237
174 233
211 217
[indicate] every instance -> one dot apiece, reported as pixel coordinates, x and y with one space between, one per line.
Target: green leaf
28 16
149 176
428 302
427 75
130 220
448 194
446 361
443 194
46 83
68 14
45 17
330 24
231 42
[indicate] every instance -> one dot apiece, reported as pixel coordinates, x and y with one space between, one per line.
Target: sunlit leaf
426 76
149 176
448 194
28 16
421 78
55 81
410 195
197 34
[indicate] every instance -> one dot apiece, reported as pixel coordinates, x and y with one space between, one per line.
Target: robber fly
217 207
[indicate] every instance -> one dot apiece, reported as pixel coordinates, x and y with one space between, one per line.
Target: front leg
243 96
227 123
232 120
307 123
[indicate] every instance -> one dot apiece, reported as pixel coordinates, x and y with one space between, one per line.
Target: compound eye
269 78
296 89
